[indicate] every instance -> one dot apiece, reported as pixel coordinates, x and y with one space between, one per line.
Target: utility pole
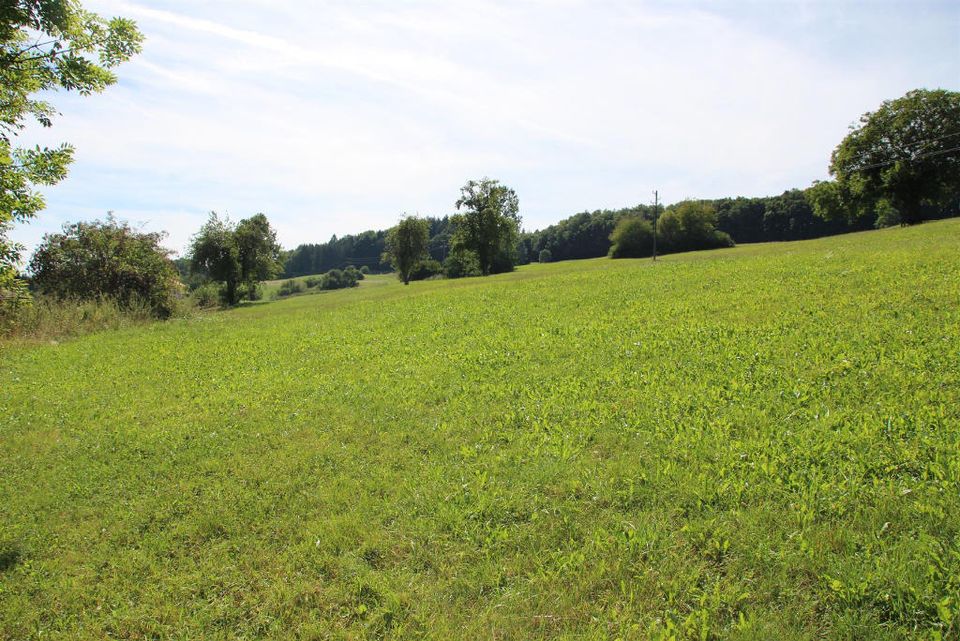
656 208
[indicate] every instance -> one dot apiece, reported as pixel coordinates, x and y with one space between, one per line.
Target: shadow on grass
10 556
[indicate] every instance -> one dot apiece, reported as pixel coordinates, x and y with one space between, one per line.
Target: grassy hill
754 443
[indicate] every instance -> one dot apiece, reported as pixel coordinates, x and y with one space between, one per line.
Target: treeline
789 216
360 250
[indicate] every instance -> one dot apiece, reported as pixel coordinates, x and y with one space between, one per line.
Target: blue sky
333 117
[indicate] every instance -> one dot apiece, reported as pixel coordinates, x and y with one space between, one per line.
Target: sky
337 116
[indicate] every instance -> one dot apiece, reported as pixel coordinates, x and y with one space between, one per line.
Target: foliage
461 263
583 235
632 238
365 249
235 255
761 443
407 245
107 259
206 295
425 269
489 225
290 287
48 318
906 153
340 279
45 46
214 254
545 256
690 225
258 252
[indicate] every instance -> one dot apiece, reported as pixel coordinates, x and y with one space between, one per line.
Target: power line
912 159
932 140
924 143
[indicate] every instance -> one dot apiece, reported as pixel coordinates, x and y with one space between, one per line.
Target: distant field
270 287
755 443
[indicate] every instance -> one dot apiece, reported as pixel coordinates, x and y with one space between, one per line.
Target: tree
691 225
461 263
632 238
242 254
45 45
258 252
407 245
489 225
905 156
214 254
107 259
545 256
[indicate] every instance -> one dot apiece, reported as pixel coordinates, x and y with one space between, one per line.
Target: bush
252 291
109 259
462 263
313 281
545 256
364 270
691 225
426 269
207 295
289 287
632 238
340 279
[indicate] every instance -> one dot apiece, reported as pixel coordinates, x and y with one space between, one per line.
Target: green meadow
752 443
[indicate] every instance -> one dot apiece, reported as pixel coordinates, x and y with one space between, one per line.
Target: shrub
289 287
364 270
462 263
631 238
339 279
691 225
207 295
252 291
312 281
545 256
109 259
426 269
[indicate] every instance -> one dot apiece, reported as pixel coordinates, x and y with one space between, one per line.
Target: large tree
407 245
241 254
45 45
489 225
904 156
258 252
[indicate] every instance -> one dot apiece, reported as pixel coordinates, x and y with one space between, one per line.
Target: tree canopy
241 254
904 156
257 250
407 245
489 225
45 45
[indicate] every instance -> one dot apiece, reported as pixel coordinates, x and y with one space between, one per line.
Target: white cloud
334 117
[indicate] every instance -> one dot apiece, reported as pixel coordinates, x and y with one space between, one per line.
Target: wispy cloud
337 116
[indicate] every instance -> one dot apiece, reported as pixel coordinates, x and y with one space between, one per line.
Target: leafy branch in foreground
45 45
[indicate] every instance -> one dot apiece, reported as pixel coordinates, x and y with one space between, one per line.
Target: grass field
269 289
755 443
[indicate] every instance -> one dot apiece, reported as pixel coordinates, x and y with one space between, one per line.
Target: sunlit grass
754 443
